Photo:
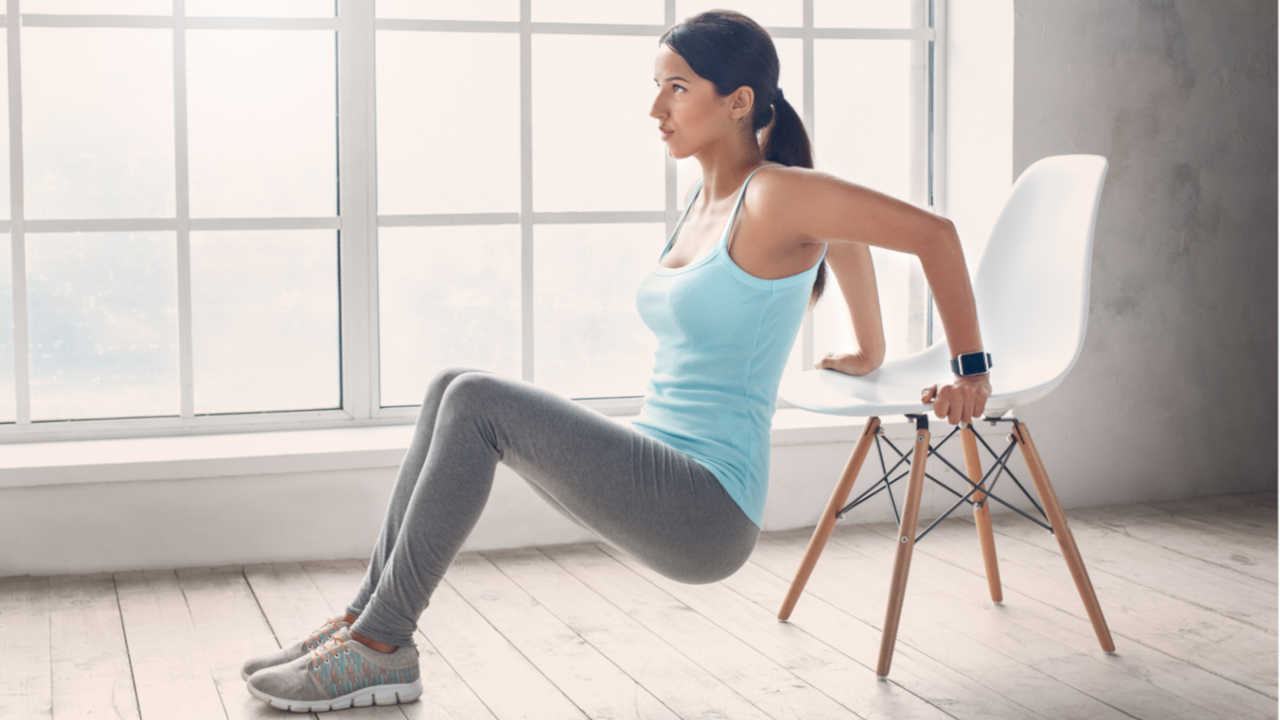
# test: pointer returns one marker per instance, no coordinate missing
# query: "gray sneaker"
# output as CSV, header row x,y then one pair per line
x,y
296,650
340,674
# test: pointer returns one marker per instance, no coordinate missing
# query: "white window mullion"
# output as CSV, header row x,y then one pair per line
x,y
937,132
358,251
21,351
526,190
671,200
806,328
183,199
938,109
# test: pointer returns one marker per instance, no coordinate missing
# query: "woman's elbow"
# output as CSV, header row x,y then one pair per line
x,y
875,357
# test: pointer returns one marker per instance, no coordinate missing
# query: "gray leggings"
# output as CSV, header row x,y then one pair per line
x,y
642,496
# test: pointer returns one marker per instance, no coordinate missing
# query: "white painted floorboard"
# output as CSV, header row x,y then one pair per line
x,y
1188,589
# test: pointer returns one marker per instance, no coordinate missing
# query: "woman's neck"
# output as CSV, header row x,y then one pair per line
x,y
725,167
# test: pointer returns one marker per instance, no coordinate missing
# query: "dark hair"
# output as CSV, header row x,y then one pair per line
x,y
732,50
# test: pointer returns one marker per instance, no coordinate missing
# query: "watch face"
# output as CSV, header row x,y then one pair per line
x,y
973,364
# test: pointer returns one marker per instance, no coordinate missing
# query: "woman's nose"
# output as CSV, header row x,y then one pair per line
x,y
657,110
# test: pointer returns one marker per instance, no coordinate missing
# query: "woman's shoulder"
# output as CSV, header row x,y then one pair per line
x,y
787,182
780,191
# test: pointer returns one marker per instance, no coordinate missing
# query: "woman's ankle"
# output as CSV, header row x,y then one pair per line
x,y
374,644
348,618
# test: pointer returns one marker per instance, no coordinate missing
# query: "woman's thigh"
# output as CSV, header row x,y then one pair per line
x,y
639,494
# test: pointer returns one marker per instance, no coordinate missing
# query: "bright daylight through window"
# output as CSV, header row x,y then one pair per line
x,y
246,213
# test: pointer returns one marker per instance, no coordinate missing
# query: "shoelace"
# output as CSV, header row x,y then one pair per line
x,y
318,638
335,646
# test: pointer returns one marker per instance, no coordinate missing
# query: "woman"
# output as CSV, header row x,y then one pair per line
x,y
683,488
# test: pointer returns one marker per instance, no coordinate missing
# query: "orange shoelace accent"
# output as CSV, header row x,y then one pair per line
x,y
332,648
318,638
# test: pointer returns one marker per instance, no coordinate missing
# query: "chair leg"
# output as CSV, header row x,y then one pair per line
x,y
982,514
906,543
828,520
1066,542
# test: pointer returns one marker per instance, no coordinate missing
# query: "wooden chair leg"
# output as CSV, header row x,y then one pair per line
x,y
828,520
906,543
982,514
1066,542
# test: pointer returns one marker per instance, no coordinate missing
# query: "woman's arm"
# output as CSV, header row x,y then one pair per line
x,y
851,264
816,207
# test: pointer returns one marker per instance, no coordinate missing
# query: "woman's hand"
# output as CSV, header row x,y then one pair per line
x,y
961,401
847,363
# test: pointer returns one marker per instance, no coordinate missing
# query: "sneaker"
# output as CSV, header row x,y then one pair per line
x,y
296,650
340,674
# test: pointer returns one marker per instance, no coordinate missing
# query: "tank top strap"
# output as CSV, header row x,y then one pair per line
x,y
727,235
688,204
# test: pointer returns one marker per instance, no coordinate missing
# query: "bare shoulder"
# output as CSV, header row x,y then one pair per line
x,y
787,197
810,205
779,187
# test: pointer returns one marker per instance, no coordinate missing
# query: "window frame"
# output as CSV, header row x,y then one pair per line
x,y
356,223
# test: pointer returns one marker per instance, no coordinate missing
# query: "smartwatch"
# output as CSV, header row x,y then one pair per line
x,y
974,363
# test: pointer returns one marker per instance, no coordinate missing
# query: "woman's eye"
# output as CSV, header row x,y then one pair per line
x,y
678,88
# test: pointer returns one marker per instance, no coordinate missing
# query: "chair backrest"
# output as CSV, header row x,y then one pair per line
x,y
1032,284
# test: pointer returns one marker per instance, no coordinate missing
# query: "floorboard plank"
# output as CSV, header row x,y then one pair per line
x,y
767,685
1259,499
580,671
170,672
811,659
503,678
25,681
232,630
959,565
92,676
1184,535
1212,587
856,556
445,695
685,687
1230,510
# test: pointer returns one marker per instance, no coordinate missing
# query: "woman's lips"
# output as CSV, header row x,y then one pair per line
x,y
665,133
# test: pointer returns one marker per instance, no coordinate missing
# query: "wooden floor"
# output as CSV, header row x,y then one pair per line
x,y
1189,590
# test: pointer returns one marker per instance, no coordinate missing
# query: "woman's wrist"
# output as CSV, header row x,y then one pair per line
x,y
970,364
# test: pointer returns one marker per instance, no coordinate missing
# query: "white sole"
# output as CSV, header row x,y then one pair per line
x,y
372,695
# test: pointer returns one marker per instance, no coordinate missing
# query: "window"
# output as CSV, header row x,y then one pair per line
x,y
236,213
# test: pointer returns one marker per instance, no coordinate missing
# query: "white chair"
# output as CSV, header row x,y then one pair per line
x,y
1032,292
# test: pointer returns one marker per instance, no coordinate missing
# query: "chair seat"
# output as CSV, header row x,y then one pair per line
x,y
894,388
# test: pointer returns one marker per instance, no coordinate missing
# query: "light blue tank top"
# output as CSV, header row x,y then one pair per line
x,y
724,336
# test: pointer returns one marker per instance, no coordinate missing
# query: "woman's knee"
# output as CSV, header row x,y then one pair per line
x,y
477,393
443,380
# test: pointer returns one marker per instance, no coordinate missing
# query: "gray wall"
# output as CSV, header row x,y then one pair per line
x,y
1174,395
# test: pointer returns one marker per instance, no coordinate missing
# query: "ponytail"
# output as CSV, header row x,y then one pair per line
x,y
732,50
784,140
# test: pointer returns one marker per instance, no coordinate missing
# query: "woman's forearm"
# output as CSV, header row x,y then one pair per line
x,y
942,259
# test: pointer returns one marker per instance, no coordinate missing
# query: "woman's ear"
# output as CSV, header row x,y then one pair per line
x,y
741,102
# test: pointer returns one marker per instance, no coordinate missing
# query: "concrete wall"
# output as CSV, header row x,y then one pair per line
x,y
1174,395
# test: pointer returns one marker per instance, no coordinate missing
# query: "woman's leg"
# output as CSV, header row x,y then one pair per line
x,y
641,495
410,472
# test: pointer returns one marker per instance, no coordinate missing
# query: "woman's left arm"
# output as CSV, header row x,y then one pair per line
x,y
822,208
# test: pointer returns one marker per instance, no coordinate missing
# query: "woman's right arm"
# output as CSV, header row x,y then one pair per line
x,y
851,264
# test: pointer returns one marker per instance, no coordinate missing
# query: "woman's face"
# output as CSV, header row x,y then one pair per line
x,y
690,113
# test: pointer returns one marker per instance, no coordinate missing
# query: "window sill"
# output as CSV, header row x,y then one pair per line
x,y
269,453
